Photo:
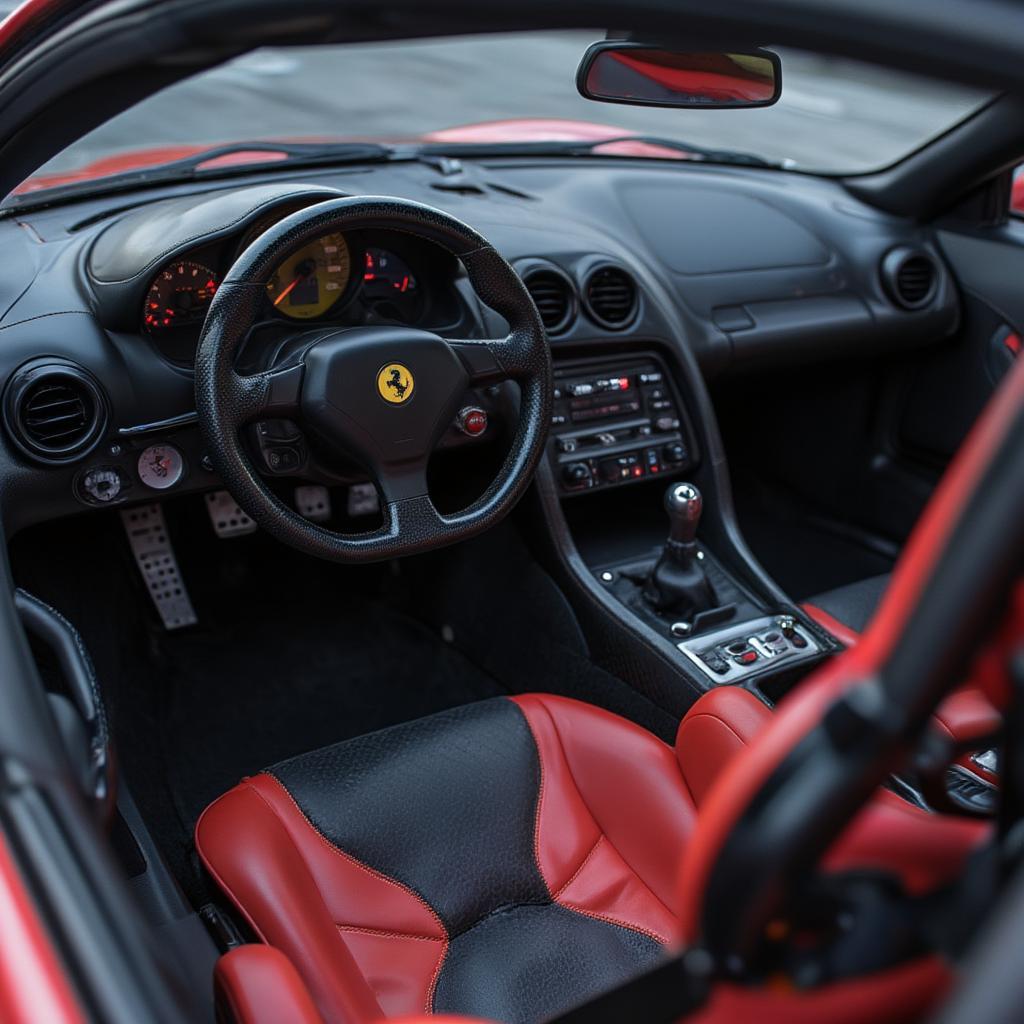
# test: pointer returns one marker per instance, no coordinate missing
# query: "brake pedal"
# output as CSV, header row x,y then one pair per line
x,y
227,518
154,555
313,502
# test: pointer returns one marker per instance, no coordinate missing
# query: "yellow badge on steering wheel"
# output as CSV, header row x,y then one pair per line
x,y
395,383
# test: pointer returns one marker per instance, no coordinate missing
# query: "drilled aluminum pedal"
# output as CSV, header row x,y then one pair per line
x,y
363,500
151,546
313,502
227,518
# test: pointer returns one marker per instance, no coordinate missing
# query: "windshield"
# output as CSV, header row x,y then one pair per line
x,y
835,116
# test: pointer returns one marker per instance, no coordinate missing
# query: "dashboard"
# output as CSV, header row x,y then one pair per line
x,y
710,271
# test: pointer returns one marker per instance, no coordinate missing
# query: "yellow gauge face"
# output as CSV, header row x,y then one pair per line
x,y
312,280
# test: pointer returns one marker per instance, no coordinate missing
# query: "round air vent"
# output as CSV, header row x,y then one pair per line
x,y
610,297
54,410
911,277
554,296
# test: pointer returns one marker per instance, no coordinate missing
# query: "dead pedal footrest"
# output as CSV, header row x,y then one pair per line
x,y
154,555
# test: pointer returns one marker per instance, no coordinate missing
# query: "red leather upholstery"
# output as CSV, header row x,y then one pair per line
x,y
714,730
259,985
363,943
843,633
613,817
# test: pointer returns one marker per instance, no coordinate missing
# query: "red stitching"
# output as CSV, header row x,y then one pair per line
x,y
347,856
376,874
622,924
382,933
585,862
653,894
433,981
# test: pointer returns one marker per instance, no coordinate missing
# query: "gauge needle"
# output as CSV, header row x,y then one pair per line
x,y
287,291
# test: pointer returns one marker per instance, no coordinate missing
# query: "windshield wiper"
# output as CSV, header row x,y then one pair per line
x,y
593,146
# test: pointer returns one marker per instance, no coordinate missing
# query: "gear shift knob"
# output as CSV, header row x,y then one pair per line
x,y
684,505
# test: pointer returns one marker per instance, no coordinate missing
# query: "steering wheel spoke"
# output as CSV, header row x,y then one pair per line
x,y
271,394
401,483
495,359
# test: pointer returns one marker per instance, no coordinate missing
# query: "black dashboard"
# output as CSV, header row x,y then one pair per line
x,y
720,270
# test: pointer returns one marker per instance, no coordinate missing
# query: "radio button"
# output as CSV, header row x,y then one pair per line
x,y
577,474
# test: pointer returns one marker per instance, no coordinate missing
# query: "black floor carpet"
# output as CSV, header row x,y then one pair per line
x,y
247,693
291,653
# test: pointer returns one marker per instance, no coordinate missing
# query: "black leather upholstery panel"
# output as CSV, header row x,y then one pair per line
x,y
445,805
529,963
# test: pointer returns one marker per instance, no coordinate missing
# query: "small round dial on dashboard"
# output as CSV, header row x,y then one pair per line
x,y
179,295
161,466
102,484
312,280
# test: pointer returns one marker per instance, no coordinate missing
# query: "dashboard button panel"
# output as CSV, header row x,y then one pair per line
x,y
615,424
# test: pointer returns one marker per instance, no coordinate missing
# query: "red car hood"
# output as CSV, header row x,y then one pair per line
x,y
484,132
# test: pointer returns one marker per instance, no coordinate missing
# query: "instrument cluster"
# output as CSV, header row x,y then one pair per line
x,y
349,279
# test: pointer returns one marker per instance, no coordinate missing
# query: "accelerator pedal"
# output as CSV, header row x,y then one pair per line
x,y
227,518
154,555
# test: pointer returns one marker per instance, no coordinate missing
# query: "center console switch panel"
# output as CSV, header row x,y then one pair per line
x,y
732,655
615,422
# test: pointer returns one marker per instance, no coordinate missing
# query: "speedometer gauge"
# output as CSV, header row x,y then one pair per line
x,y
312,280
179,295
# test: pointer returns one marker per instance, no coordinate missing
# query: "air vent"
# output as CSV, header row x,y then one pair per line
x,y
554,296
911,277
54,410
610,297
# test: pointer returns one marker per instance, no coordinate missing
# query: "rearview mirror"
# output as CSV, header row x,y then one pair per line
x,y
618,71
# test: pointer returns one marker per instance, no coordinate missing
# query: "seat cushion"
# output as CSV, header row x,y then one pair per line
x,y
507,859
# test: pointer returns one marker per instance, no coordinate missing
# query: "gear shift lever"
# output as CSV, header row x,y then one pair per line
x,y
684,504
678,583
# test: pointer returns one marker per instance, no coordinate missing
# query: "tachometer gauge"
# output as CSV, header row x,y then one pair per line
x,y
312,280
179,295
161,466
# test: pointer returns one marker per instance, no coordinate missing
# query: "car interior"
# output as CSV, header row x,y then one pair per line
x,y
408,546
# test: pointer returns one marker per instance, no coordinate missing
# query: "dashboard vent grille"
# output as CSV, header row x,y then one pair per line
x,y
915,280
54,411
611,297
911,277
554,297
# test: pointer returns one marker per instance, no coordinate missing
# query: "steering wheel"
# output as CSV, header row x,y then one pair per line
x,y
383,394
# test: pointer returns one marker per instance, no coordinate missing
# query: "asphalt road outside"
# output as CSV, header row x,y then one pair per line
x,y
834,116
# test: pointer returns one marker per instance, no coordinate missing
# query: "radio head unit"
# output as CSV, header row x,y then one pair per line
x,y
616,422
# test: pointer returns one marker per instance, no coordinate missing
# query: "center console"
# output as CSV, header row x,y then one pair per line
x,y
626,464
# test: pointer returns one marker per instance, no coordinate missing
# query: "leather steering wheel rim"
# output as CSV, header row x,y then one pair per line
x,y
320,385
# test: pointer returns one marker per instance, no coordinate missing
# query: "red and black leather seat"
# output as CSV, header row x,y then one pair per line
x,y
507,859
